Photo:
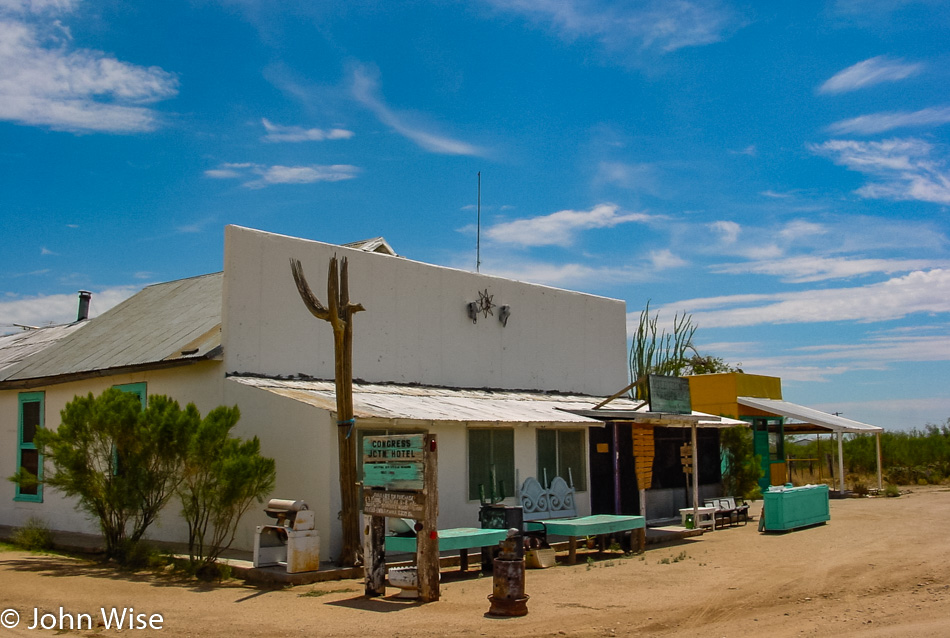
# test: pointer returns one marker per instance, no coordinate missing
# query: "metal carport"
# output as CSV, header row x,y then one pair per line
x,y
809,420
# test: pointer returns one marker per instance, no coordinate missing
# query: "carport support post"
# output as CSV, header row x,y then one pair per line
x,y
841,461
880,479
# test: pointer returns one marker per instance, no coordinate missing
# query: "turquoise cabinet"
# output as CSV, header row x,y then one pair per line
x,y
792,507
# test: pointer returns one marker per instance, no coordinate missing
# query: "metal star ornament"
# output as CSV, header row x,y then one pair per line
x,y
485,304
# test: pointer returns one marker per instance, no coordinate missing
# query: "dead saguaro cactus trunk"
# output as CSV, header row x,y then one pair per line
x,y
339,312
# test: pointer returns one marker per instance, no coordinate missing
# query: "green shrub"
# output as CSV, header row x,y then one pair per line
x,y
121,462
34,536
743,466
141,555
891,490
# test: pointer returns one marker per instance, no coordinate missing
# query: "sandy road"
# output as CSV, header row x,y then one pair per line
x,y
880,567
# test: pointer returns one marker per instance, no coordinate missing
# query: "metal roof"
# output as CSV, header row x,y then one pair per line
x,y
162,325
811,420
374,245
642,415
16,347
413,404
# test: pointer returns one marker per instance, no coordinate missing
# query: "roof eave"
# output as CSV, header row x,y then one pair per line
x,y
23,384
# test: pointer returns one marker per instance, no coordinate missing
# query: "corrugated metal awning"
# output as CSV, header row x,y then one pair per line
x,y
661,419
810,420
416,405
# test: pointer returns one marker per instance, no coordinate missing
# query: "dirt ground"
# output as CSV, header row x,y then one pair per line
x,y
878,568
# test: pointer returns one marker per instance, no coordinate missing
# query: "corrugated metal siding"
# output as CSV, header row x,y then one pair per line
x,y
423,403
153,326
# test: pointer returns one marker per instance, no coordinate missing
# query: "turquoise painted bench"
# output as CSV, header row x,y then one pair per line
x,y
460,539
552,511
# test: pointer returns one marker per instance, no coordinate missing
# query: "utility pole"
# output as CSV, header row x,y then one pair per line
x,y
478,231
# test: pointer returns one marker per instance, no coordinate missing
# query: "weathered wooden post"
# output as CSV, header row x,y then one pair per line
x,y
339,312
427,539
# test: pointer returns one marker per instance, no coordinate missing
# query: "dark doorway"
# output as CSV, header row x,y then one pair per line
x,y
612,447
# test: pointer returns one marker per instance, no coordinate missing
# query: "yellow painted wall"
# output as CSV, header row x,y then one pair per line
x,y
717,393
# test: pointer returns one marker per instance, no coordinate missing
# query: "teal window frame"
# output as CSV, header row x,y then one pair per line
x,y
488,448
141,389
22,399
557,452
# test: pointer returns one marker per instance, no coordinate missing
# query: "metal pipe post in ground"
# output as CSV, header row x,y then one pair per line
x,y
508,597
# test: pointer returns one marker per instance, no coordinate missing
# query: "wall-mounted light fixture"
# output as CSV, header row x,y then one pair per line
x,y
503,313
472,309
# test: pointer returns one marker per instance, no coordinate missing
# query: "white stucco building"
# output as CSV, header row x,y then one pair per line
x,y
425,358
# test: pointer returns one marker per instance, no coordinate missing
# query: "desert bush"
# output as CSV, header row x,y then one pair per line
x,y
120,462
743,466
223,475
33,536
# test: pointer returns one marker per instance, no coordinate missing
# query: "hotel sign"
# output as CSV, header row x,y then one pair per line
x,y
395,462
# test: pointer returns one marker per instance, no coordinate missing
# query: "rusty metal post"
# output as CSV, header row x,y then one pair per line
x,y
508,597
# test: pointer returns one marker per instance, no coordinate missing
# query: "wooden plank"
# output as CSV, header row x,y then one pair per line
x,y
374,550
394,504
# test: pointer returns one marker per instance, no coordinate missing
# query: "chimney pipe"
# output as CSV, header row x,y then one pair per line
x,y
84,297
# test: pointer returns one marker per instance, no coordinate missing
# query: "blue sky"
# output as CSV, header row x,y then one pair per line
x,y
778,170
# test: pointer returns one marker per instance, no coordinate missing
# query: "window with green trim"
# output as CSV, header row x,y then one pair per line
x,y
138,389
491,451
30,419
562,453
135,388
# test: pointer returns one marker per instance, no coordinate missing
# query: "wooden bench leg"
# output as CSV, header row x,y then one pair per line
x,y
463,560
572,551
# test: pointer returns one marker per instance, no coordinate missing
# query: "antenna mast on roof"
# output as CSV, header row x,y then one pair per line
x,y
478,231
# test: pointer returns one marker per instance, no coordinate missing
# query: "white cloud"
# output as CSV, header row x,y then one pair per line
x,y
642,177
278,133
749,150
661,25
811,268
775,194
868,73
665,260
563,275
44,82
800,228
365,89
904,168
728,231
561,228
44,310
919,291
881,122
270,175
